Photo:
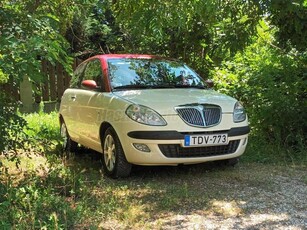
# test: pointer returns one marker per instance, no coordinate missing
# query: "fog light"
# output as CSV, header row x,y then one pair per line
x,y
141,147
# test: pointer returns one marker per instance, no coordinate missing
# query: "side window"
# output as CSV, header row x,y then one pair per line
x,y
77,77
93,72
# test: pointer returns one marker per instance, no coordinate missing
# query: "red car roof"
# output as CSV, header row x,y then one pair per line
x,y
141,56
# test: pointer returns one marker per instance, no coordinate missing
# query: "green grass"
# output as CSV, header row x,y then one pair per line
x,y
51,191
44,126
269,152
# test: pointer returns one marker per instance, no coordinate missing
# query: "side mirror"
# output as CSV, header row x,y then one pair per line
x,y
209,83
89,84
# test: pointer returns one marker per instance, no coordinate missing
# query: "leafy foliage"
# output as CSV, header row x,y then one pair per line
x,y
290,17
263,65
272,84
36,201
33,205
94,30
189,30
11,126
30,31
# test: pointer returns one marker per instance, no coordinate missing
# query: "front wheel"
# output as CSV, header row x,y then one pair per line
x,y
114,161
233,161
229,162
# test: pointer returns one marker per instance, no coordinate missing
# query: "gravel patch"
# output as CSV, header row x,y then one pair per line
x,y
265,197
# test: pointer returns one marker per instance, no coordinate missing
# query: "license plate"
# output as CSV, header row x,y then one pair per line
x,y
207,139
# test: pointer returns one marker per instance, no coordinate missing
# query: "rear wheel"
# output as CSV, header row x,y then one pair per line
x,y
68,144
114,161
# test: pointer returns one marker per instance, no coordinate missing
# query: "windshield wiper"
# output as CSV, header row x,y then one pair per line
x,y
162,86
143,87
165,86
131,87
190,86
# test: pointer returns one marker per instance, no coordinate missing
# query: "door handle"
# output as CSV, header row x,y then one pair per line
x,y
73,97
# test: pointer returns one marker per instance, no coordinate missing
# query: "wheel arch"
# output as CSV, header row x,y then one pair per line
x,y
61,119
122,167
103,128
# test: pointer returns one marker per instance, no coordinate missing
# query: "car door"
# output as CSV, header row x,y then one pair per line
x,y
91,106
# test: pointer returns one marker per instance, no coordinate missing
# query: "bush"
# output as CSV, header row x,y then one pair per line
x,y
40,198
25,133
12,125
37,202
272,85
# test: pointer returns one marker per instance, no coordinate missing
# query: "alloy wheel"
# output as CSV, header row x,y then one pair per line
x,y
109,152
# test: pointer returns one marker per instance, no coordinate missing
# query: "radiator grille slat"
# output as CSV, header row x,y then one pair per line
x,y
200,115
212,116
192,116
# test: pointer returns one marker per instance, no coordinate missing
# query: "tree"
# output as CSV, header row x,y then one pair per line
x,y
272,85
290,17
31,31
96,31
201,32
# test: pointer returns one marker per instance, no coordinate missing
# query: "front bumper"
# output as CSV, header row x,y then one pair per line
x,y
167,147
174,135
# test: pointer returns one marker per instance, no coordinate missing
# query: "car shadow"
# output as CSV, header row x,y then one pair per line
x,y
85,158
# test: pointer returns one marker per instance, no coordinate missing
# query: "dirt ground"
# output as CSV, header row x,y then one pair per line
x,y
206,196
269,200
248,196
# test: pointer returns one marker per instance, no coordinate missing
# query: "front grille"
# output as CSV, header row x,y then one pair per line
x,y
176,151
200,115
192,116
212,115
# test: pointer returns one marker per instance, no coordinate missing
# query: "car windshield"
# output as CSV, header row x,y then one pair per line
x,y
151,73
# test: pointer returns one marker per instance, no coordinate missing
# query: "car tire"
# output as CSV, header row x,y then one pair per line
x,y
233,161
228,163
114,160
68,144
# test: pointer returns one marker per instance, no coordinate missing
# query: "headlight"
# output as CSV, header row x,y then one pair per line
x,y
144,115
239,114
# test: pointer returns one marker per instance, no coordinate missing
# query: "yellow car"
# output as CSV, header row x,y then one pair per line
x,y
149,110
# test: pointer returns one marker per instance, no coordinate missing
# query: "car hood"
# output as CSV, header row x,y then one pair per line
x,y
165,100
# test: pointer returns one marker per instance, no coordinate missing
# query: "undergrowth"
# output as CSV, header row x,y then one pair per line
x,y
261,150
36,198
